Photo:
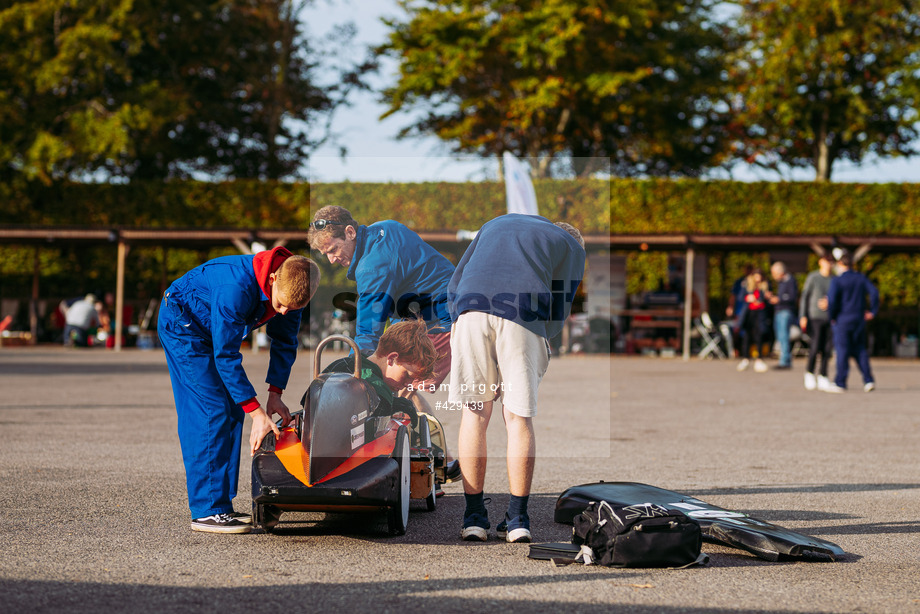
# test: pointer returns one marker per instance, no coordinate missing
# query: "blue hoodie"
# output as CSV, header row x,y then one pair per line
x,y
397,274
521,268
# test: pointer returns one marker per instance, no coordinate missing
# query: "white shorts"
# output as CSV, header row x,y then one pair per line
x,y
496,358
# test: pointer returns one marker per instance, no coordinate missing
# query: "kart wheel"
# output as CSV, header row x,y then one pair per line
x,y
265,517
398,514
424,435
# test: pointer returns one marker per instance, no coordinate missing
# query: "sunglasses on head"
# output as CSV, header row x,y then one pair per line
x,y
320,224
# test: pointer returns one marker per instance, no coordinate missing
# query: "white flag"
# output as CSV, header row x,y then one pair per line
x,y
518,186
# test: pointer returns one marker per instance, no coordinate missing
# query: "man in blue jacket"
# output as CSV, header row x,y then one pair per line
x,y
849,311
203,319
398,276
512,292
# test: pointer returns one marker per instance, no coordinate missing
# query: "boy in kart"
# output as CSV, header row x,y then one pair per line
x,y
405,355
203,319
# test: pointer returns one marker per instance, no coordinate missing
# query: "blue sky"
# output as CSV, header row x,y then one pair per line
x,y
374,154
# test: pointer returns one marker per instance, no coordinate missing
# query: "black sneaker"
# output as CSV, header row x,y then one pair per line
x,y
475,527
220,523
242,517
515,530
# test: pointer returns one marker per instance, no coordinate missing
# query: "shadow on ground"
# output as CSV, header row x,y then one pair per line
x,y
387,595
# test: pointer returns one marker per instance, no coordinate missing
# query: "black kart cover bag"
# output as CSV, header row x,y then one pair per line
x,y
719,525
642,535
560,553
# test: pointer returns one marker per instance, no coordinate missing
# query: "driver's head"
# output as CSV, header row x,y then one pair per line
x,y
406,354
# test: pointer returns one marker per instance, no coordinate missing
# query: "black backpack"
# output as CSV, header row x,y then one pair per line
x,y
643,535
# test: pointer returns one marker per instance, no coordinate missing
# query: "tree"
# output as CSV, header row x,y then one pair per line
x,y
634,81
820,81
104,89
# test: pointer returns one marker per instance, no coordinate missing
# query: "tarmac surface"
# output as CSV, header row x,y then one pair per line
x,y
93,513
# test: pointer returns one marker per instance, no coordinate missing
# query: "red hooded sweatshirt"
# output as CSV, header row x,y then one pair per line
x,y
263,265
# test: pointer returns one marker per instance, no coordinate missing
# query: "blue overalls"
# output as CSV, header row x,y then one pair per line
x,y
203,319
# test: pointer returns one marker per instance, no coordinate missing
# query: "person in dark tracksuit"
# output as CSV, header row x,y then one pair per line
x,y
849,311
203,319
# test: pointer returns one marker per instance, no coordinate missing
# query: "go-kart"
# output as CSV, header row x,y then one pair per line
x,y
338,455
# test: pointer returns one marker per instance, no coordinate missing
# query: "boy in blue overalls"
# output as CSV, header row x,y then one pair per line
x,y
204,317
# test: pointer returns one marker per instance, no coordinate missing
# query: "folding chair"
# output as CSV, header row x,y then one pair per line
x,y
711,336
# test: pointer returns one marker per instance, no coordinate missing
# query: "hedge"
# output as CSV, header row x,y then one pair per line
x,y
623,206
619,206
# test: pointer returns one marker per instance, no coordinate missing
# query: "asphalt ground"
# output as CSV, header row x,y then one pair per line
x,y
93,513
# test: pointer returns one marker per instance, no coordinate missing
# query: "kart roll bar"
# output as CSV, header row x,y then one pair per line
x,y
348,341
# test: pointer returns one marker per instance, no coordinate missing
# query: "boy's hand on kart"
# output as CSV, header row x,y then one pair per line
x,y
276,406
262,425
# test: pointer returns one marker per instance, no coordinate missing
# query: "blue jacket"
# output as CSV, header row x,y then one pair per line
x,y
221,302
522,268
846,298
397,274
788,292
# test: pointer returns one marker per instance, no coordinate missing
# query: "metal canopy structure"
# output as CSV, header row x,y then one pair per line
x,y
48,236
243,238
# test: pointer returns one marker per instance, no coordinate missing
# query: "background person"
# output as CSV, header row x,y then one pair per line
x,y
849,309
79,318
813,317
784,304
737,308
203,319
512,292
105,331
754,323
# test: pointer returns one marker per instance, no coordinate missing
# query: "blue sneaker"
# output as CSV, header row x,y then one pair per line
x,y
515,530
475,527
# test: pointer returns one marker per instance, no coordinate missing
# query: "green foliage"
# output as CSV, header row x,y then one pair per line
x,y
596,207
137,89
176,204
646,271
633,82
452,206
896,277
821,81
723,207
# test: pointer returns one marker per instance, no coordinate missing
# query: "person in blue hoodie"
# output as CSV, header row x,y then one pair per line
x,y
398,276
204,317
849,310
512,291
